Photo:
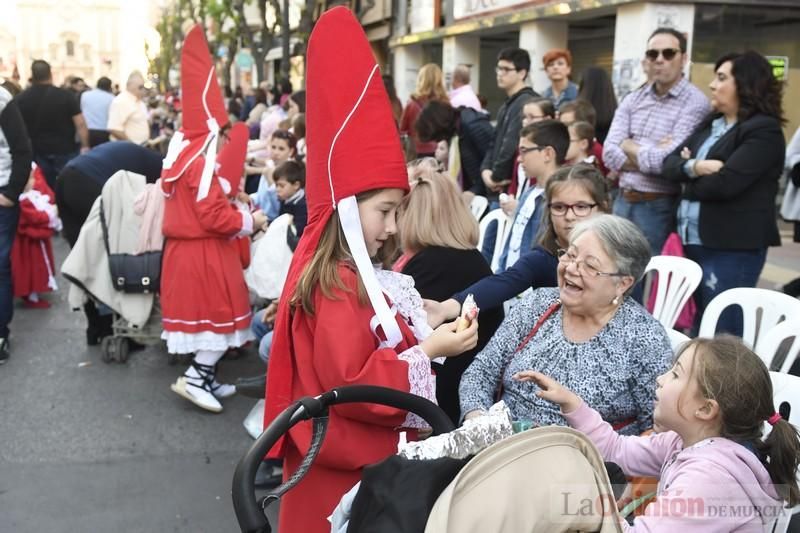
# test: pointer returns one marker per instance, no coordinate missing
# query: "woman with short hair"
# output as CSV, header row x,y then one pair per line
x,y
729,169
588,331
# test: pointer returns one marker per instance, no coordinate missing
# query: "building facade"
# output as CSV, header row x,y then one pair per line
x,y
85,38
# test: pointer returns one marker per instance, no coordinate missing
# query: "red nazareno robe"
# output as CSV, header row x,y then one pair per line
x,y
32,252
336,347
202,283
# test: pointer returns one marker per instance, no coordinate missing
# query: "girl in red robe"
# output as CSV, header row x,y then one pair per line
x,y
32,253
204,299
341,319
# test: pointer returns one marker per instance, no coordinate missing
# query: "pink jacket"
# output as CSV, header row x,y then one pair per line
x,y
717,485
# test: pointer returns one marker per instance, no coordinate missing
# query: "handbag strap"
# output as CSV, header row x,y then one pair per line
x,y
555,306
104,227
547,314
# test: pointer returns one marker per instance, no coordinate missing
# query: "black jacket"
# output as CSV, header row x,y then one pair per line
x,y
15,149
500,156
438,274
737,204
475,136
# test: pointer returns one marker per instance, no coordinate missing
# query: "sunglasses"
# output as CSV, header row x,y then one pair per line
x,y
667,53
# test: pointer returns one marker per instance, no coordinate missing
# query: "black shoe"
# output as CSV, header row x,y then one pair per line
x,y
4,353
253,387
269,474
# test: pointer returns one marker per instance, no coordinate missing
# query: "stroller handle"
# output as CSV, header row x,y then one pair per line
x,y
249,511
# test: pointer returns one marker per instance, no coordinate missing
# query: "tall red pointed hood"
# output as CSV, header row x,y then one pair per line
x,y
352,147
203,113
230,159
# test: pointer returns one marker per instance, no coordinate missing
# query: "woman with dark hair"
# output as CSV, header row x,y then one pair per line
x,y
439,121
729,168
596,87
258,110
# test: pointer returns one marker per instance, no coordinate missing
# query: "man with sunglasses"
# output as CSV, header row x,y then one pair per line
x,y
648,125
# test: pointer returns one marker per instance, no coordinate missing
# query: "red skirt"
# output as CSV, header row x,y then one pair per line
x,y
203,287
31,265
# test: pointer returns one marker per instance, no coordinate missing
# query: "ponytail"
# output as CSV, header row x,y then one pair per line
x,y
782,448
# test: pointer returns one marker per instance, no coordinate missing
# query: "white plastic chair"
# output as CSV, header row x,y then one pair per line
x,y
503,224
786,390
678,277
478,206
775,307
770,342
676,339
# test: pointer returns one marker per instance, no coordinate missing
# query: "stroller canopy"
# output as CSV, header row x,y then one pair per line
x,y
546,480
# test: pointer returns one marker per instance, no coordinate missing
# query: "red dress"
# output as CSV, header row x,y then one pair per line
x,y
204,299
336,347
32,253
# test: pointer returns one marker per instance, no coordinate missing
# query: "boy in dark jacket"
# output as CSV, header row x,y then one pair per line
x,y
290,180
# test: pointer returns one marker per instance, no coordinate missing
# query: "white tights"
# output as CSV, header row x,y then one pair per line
x,y
204,357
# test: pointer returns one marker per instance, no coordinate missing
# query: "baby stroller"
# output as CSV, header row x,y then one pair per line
x,y
105,266
517,484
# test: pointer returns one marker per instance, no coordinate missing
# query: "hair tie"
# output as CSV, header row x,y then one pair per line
x,y
774,418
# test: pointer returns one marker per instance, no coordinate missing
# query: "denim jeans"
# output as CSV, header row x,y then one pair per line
x,y
263,334
723,270
655,218
52,165
8,230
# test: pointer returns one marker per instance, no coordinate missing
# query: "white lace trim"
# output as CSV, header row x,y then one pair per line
x,y
401,291
421,381
180,342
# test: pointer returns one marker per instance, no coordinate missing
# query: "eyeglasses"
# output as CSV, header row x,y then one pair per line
x,y
525,149
580,210
667,53
504,70
567,257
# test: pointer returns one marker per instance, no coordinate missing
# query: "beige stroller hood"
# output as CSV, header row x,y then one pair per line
x,y
545,480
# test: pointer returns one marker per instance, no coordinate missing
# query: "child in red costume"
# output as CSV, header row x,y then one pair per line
x,y
32,254
342,320
204,299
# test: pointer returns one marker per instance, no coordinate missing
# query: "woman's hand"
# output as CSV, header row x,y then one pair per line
x,y
704,167
445,341
551,390
439,312
270,312
686,153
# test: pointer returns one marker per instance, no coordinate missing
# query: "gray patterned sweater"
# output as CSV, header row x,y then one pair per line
x,y
614,372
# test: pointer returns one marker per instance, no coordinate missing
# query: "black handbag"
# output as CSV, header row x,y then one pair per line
x,y
137,274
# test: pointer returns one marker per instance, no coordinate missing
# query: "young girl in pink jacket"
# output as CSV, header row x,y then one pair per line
x,y
716,471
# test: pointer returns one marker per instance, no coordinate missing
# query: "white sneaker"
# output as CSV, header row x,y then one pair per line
x,y
194,390
222,390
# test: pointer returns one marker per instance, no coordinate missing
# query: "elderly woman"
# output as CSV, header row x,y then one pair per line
x,y
588,332
730,168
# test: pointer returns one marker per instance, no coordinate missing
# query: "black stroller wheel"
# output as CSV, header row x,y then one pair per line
x,y
250,509
123,349
107,349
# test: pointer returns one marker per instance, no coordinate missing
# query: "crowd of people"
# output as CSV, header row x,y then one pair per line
x,y
378,248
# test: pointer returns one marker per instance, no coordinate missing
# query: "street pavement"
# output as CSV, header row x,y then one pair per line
x,y
88,447
92,447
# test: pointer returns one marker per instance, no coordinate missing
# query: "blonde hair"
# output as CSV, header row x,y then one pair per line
x,y
430,84
434,214
323,269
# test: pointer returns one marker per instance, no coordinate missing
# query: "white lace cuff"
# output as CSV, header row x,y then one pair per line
x,y
247,224
421,381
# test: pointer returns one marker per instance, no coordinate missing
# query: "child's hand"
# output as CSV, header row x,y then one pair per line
x,y
445,341
243,197
551,390
259,220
